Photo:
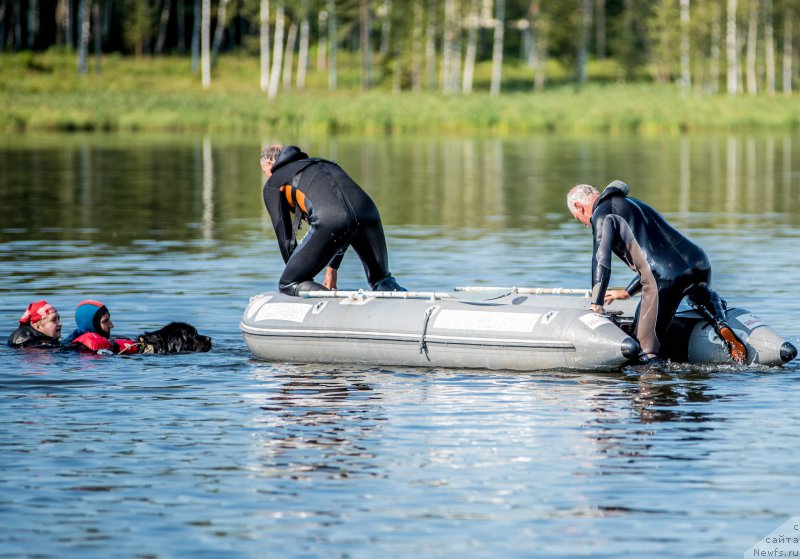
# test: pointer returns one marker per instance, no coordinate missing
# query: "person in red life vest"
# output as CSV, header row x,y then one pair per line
x,y
94,331
39,327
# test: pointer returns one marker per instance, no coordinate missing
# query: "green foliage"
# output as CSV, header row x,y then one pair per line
x,y
162,95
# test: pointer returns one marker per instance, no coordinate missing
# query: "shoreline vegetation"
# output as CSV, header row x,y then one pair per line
x,y
42,93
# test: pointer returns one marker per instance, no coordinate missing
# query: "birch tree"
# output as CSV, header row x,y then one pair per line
x,y
366,54
686,70
716,37
447,45
64,18
732,51
83,43
416,45
430,47
497,51
386,27
473,23
788,53
277,53
162,27
33,22
600,29
264,43
219,33
288,63
752,39
769,48
98,37
322,40
205,44
332,44
302,55
583,39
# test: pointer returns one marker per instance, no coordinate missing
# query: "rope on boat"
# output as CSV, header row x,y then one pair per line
x,y
527,290
423,345
361,294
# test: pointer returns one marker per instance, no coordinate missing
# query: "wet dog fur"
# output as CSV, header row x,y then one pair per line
x,y
175,337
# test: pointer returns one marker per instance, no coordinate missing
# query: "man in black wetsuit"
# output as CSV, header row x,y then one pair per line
x,y
339,213
669,266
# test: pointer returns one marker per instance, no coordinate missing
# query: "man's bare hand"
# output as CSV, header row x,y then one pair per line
x,y
615,294
330,278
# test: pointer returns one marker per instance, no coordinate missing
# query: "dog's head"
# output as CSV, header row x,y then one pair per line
x,y
175,337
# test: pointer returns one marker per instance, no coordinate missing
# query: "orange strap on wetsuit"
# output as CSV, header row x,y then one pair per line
x,y
294,196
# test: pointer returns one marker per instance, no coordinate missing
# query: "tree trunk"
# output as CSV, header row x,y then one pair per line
x,y
497,50
98,38
366,51
321,40
162,26
769,47
302,55
430,47
788,52
63,23
732,50
219,33
196,25
83,44
264,36
716,37
583,40
332,42
417,46
540,71
386,29
180,13
33,22
288,64
205,44
752,39
17,22
473,22
686,69
600,29
277,53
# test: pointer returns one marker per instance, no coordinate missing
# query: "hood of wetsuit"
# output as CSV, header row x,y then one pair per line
x,y
614,188
287,155
87,317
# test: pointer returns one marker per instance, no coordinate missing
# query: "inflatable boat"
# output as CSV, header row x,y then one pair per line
x,y
493,328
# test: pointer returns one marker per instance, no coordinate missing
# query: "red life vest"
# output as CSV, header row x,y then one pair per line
x,y
126,346
95,342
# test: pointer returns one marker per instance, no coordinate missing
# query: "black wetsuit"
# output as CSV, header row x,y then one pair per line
x,y
340,214
28,336
669,266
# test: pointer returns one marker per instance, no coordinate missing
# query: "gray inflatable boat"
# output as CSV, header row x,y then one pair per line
x,y
512,329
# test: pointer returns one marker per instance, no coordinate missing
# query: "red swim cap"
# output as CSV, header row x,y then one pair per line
x,y
36,312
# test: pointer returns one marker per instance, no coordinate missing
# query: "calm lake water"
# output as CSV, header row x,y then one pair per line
x,y
220,455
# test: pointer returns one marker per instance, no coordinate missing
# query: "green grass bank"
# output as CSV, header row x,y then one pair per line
x,y
42,92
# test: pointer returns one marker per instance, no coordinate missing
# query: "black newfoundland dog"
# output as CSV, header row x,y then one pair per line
x,y
175,337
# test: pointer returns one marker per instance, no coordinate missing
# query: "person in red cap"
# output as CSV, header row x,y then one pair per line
x,y
94,331
39,327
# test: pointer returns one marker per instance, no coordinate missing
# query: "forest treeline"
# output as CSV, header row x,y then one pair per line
x,y
706,46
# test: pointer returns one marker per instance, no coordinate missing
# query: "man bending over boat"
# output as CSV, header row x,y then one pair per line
x,y
339,213
669,266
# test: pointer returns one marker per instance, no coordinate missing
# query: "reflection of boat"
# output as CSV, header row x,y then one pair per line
x,y
506,330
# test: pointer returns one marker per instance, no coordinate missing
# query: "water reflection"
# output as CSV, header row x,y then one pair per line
x,y
118,189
